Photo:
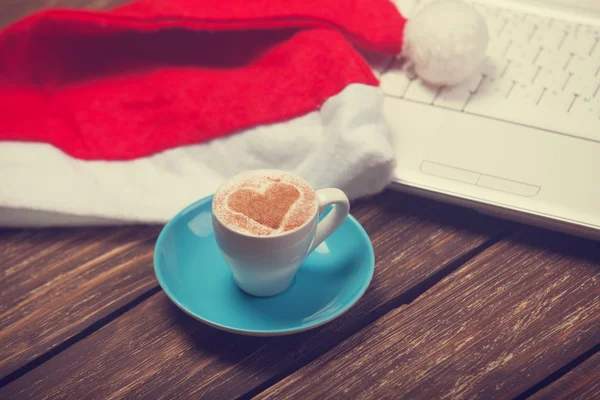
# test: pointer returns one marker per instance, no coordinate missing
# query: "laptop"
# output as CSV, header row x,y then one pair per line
x,y
521,139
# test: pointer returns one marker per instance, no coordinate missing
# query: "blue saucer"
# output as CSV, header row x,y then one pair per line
x,y
194,275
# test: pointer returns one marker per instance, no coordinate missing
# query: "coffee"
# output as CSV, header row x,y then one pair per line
x,y
265,203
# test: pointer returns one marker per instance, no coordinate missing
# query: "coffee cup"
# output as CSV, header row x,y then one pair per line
x,y
266,222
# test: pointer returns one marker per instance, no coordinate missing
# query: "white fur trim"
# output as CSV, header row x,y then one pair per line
x,y
343,145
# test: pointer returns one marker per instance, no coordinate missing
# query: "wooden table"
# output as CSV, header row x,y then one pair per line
x,y
461,306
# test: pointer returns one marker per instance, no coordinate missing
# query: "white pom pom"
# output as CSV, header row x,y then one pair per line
x,y
446,42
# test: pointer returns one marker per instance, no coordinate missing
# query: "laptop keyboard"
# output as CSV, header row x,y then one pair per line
x,y
539,72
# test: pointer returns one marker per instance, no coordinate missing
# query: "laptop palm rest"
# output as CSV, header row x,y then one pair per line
x,y
514,160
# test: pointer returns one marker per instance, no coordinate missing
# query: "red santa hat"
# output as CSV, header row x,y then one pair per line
x,y
132,113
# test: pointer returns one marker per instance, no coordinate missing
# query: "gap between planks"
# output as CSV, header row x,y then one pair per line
x,y
536,387
559,373
99,324
406,298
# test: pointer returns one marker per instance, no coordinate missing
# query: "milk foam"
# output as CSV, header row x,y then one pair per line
x,y
259,181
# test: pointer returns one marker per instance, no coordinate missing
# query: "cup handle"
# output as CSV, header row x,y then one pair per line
x,y
341,209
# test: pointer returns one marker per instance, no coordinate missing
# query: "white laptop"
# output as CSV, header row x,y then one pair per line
x,y
521,139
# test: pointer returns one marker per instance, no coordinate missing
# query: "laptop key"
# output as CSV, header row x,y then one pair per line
x,y
421,92
556,103
583,86
553,59
491,95
508,15
498,48
584,66
528,95
548,38
553,113
495,24
395,80
586,112
553,80
537,20
494,67
521,100
561,25
580,43
523,52
518,31
596,48
394,83
456,97
522,72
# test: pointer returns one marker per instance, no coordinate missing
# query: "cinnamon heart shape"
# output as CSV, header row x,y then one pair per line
x,y
268,208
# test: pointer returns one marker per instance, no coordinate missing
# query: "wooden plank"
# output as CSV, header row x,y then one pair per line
x,y
56,282
494,328
155,350
581,383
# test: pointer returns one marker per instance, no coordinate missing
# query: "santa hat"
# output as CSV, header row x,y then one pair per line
x,y
130,114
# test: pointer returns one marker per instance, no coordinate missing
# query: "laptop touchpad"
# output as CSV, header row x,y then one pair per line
x,y
500,156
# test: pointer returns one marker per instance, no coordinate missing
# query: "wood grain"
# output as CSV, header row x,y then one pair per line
x,y
511,317
581,383
497,326
154,350
56,282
